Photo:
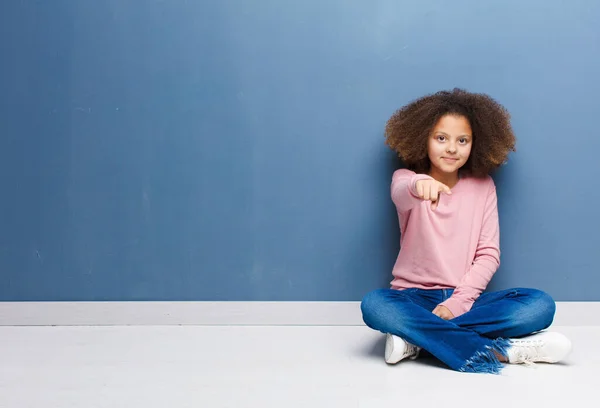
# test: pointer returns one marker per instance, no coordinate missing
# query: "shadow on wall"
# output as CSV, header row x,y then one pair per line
x,y
501,178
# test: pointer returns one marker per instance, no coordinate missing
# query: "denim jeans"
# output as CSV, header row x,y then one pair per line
x,y
467,342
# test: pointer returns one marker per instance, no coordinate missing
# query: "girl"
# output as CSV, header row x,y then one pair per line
x,y
447,208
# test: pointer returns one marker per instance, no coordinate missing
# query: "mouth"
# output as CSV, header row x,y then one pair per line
x,y
449,159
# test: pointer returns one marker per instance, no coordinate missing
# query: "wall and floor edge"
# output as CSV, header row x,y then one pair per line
x,y
224,313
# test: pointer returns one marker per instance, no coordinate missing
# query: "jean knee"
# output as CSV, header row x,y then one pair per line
x,y
540,311
371,306
383,310
546,307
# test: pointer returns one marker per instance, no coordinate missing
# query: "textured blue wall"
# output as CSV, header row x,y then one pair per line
x,y
233,150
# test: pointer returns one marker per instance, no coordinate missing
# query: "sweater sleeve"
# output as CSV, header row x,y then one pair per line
x,y
485,263
404,189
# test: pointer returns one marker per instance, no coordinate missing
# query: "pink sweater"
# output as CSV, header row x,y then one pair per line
x,y
454,246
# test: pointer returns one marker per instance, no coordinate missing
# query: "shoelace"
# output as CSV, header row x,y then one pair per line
x,y
527,351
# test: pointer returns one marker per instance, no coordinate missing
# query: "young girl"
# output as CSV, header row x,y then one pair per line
x,y
447,208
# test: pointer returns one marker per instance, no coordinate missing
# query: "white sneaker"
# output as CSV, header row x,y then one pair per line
x,y
543,347
397,349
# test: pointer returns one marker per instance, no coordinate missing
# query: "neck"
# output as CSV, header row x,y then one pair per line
x,y
449,179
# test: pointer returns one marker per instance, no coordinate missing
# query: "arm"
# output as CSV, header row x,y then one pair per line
x,y
485,264
404,190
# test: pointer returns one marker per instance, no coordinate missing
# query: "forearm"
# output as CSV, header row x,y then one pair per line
x,y
473,284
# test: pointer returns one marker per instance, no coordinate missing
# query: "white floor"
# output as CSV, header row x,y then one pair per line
x,y
265,366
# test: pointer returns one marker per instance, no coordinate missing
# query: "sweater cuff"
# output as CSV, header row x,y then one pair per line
x,y
456,306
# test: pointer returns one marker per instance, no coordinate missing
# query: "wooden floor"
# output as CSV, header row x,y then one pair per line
x,y
265,366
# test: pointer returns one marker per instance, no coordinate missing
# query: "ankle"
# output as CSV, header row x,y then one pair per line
x,y
502,358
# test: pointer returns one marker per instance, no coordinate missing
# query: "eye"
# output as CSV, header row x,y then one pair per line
x,y
441,138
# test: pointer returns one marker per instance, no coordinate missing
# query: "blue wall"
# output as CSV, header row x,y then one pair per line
x,y
233,150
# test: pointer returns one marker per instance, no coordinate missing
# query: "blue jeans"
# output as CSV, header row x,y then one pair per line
x,y
466,343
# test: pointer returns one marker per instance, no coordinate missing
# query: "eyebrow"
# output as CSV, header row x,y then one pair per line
x,y
446,134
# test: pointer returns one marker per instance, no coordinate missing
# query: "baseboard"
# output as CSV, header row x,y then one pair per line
x,y
224,313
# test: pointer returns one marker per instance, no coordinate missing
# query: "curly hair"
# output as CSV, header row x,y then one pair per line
x,y
408,130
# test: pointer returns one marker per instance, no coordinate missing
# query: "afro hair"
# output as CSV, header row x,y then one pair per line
x,y
408,130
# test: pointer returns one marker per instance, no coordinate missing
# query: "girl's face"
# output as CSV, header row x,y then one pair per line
x,y
450,145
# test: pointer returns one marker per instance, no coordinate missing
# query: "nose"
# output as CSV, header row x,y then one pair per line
x,y
451,148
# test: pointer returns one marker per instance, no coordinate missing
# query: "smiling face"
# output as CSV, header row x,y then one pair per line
x,y
449,147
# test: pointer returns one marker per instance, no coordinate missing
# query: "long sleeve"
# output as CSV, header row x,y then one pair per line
x,y
485,263
403,189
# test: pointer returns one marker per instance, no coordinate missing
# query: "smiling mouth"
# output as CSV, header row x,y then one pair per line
x,y
450,159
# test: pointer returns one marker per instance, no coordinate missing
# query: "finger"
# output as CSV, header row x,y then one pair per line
x,y
426,192
434,196
420,189
445,189
434,192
